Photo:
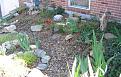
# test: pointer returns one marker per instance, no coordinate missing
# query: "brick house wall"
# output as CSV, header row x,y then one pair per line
x,y
97,7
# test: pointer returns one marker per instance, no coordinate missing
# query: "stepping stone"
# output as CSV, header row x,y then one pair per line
x,y
109,36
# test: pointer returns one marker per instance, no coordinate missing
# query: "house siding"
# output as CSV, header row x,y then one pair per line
x,y
97,7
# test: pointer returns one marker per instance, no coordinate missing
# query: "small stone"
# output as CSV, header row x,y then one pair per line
x,y
40,53
68,37
57,17
109,36
10,28
45,59
42,66
33,47
36,28
20,53
35,73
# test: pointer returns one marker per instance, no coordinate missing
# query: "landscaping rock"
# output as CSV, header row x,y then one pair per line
x,y
36,28
12,68
7,45
109,36
57,17
40,53
45,59
68,37
10,44
33,47
10,28
2,49
42,66
35,73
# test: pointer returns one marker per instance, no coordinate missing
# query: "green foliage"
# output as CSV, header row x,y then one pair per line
x,y
86,31
24,42
29,58
37,43
45,13
111,27
97,48
60,10
22,9
72,25
113,49
7,37
114,68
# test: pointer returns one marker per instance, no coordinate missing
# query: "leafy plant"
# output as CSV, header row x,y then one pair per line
x,y
60,10
99,61
24,42
72,25
86,31
29,58
7,37
37,43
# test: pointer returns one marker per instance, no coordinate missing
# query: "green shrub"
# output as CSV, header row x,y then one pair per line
x,y
45,13
114,68
111,27
86,31
113,49
60,10
24,42
7,37
72,25
29,58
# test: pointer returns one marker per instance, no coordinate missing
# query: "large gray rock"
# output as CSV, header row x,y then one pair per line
x,y
109,36
36,28
10,28
42,66
45,59
35,73
57,17
40,53
10,44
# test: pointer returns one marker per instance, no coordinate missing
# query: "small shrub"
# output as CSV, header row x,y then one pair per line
x,y
45,13
24,42
7,37
29,58
86,31
72,25
111,27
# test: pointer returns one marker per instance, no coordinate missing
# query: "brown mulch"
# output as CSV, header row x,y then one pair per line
x,y
61,51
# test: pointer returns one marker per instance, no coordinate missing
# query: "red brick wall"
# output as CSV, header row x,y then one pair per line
x,y
97,7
